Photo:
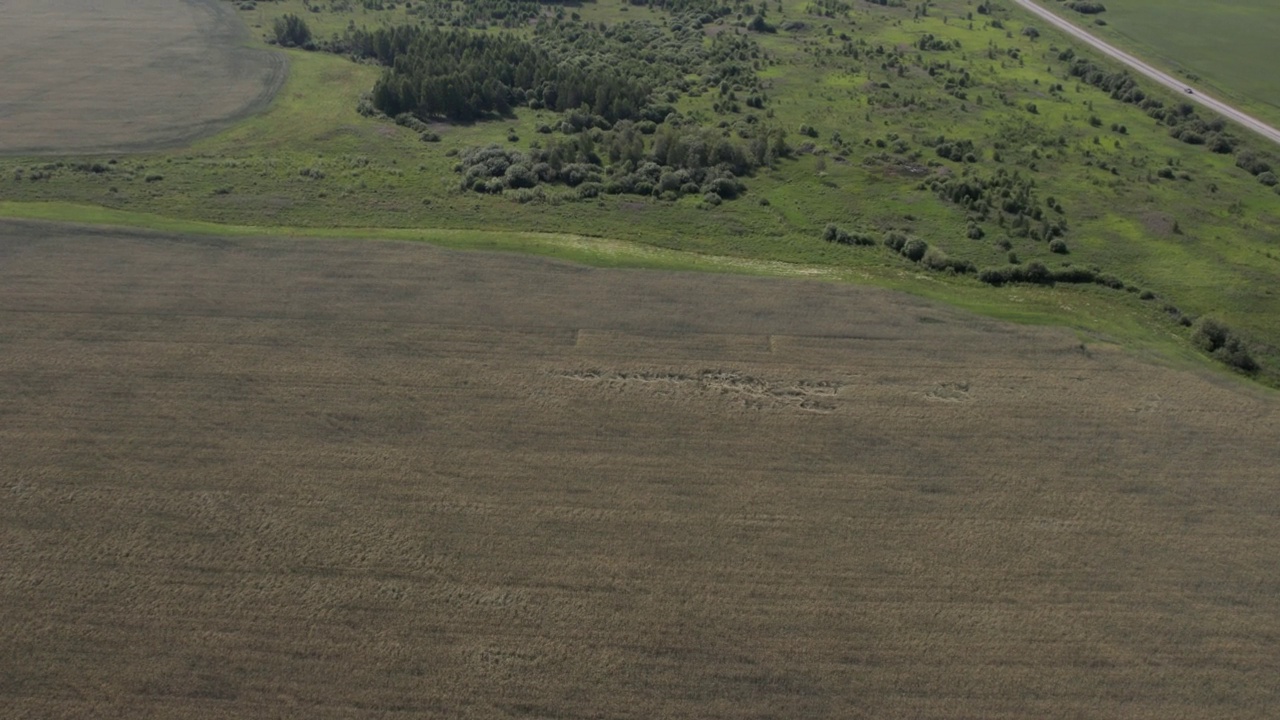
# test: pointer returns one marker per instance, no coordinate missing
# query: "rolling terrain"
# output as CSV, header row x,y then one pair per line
x,y
309,448
985,138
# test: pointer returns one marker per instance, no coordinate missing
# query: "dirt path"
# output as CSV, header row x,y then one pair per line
x,y
126,75
1169,81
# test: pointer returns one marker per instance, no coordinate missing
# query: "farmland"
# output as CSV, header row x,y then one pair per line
x,y
270,477
117,75
831,360
1187,229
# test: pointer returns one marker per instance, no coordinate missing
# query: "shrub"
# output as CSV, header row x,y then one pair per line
x,y
291,31
1110,281
1058,246
895,240
1085,7
914,249
1268,178
935,259
1218,340
1251,163
519,176
1074,275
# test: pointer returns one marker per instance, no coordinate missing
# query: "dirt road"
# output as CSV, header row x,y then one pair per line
x,y
1223,109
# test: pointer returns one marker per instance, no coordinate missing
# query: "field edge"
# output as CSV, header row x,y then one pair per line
x,y
1022,305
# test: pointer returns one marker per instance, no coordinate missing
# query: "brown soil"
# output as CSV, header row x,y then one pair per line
x,y
117,75
323,479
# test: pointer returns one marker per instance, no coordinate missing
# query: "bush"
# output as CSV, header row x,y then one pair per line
x,y
914,249
1218,340
1251,163
1085,7
935,259
1268,178
1058,246
895,240
1074,275
1033,272
1110,281
291,31
519,176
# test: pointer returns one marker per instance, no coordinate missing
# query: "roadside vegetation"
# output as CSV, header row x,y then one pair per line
x,y
958,149
1216,46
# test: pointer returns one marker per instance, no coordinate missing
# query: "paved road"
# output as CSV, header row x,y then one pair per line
x,y
1223,109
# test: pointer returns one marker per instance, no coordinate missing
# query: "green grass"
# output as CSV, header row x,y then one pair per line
x,y
1224,47
381,180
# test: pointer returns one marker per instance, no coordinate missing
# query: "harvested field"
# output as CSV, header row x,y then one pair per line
x,y
337,479
114,75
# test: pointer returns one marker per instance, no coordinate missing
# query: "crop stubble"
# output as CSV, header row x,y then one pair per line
x,y
330,479
125,75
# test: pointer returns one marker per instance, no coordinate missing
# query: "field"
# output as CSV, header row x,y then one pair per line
x,y
116,75
1174,223
323,478
1224,46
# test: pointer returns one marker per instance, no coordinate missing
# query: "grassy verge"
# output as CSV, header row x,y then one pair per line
x,y
1215,45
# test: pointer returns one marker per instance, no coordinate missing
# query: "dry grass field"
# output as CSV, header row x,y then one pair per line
x,y
109,75
336,479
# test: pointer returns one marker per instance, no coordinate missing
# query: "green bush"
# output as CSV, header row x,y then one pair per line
x,y
291,31
1217,339
914,249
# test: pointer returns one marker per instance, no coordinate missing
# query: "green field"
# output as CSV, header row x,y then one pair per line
x,y
1179,226
1224,46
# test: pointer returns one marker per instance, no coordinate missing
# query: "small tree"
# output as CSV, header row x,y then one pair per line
x,y
291,31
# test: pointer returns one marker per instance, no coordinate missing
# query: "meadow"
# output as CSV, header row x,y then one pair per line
x,y
1180,227
280,477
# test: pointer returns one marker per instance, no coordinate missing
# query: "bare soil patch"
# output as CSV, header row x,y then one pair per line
x,y
335,479
115,75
